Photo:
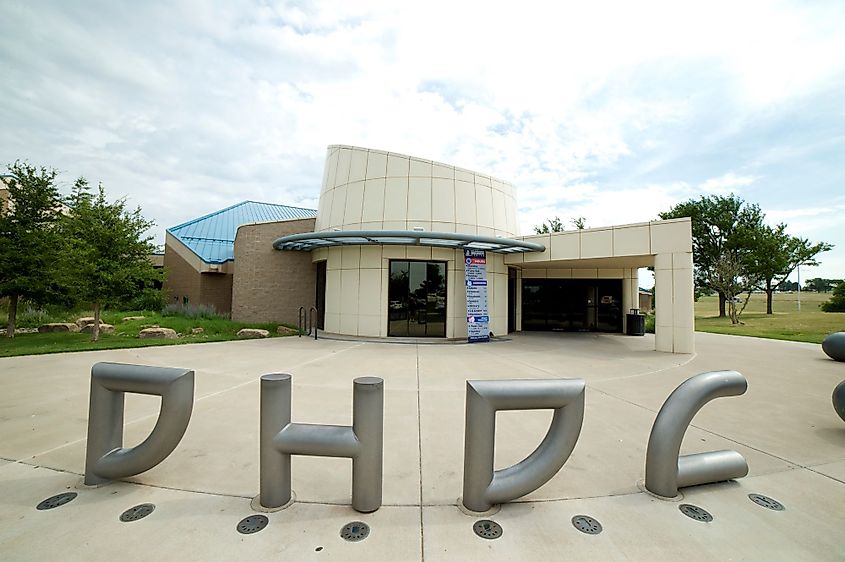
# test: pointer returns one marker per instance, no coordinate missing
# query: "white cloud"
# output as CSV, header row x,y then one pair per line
x,y
725,184
609,110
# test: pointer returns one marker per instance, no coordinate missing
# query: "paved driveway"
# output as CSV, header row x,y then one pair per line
x,y
784,425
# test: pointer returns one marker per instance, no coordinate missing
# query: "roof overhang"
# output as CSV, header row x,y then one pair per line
x,y
313,240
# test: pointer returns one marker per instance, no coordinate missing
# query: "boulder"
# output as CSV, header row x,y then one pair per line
x,y
834,346
158,333
285,331
104,328
82,322
252,333
197,331
20,331
58,327
130,318
839,400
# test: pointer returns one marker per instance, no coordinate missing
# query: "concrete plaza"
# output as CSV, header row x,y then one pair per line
x,y
785,426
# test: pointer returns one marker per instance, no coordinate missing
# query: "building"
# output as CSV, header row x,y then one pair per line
x,y
384,257
199,254
4,191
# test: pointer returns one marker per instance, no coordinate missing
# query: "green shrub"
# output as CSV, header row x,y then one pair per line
x,y
147,299
30,316
192,311
837,301
649,323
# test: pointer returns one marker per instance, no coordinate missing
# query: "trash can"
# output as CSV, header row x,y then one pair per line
x,y
636,323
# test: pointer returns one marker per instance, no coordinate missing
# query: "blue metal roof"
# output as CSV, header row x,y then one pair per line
x,y
212,237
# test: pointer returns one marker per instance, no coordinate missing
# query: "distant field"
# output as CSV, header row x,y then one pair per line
x,y
809,325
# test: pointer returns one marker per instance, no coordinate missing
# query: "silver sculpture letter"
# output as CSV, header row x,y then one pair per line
x,y
362,442
482,486
105,457
665,472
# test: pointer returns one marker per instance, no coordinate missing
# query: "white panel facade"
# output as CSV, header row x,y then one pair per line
x,y
398,188
367,189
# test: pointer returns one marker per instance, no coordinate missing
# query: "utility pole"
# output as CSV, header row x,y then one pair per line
x,y
799,287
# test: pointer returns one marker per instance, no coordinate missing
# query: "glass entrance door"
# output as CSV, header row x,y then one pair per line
x,y
572,305
416,305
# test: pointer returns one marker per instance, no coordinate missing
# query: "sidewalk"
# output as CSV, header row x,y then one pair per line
x,y
784,425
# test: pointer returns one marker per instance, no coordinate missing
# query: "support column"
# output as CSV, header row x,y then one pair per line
x,y
674,324
630,295
684,303
663,303
518,300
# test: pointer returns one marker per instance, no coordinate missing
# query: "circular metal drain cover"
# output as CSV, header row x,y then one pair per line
x,y
252,524
767,502
56,501
487,529
137,512
355,531
695,512
587,524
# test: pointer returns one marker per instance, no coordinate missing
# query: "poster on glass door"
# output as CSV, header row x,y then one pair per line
x,y
475,273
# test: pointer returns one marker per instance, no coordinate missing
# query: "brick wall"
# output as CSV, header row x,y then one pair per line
x,y
182,279
216,290
270,285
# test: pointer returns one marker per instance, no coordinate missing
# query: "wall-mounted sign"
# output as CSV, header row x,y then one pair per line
x,y
475,273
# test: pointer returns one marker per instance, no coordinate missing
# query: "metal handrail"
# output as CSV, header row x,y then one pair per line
x,y
307,320
302,318
313,310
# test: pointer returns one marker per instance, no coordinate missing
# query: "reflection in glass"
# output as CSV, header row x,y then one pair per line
x,y
572,305
416,304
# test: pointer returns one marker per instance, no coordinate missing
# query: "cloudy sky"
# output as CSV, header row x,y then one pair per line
x,y
613,111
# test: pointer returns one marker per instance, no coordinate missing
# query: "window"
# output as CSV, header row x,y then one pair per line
x,y
416,299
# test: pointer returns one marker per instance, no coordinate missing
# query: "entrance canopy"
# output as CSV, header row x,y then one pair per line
x,y
313,240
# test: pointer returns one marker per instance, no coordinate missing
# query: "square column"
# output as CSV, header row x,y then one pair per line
x,y
630,294
518,312
674,313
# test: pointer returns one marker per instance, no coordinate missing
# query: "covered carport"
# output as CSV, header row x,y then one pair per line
x,y
617,253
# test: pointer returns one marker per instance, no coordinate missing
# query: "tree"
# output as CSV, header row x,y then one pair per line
x,y
29,241
551,225
776,254
720,226
820,285
732,278
108,249
836,303
579,223
556,225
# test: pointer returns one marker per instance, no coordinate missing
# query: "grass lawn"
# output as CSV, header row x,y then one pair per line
x,y
809,325
126,333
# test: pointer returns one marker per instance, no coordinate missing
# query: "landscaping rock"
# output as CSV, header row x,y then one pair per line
x,y
58,327
158,333
197,331
285,331
20,331
82,322
252,333
834,346
130,318
104,328
839,400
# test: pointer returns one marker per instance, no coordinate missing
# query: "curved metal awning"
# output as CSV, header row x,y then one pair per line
x,y
313,240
